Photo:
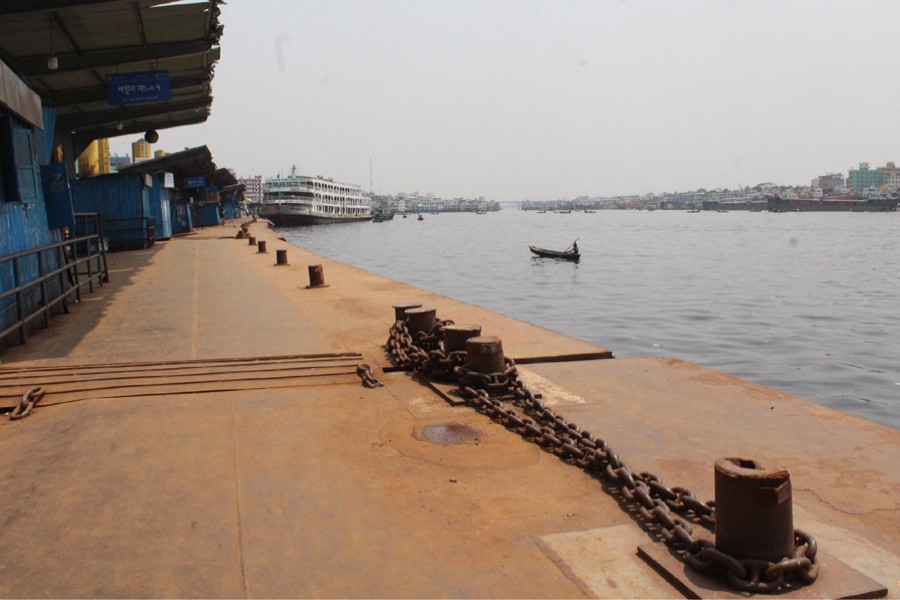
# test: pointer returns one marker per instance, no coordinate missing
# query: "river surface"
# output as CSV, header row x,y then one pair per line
x,y
808,303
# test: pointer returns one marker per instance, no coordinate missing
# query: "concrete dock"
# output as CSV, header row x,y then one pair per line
x,y
204,434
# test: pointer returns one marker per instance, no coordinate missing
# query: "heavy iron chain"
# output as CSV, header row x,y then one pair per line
x,y
504,398
368,378
423,352
26,404
668,509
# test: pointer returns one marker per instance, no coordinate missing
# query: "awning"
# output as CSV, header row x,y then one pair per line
x,y
193,162
92,40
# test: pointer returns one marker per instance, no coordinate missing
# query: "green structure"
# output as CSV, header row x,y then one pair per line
x,y
864,177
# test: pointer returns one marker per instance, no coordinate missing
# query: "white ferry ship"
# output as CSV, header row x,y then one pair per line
x,y
301,200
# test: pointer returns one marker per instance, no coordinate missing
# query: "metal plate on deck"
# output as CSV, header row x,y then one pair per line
x,y
836,579
603,561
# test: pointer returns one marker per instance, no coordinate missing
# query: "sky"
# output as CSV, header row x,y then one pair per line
x,y
546,99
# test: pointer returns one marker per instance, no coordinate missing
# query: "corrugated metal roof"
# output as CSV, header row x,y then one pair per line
x,y
95,38
192,162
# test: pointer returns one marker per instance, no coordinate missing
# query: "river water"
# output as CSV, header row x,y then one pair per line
x,y
808,303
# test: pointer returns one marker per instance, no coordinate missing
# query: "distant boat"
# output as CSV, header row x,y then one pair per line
x,y
589,211
571,253
421,218
540,212
382,214
841,203
480,212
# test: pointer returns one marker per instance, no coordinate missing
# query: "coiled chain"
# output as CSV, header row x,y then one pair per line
x,y
504,398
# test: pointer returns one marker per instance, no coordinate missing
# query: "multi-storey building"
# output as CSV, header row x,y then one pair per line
x,y
252,187
828,182
891,176
864,177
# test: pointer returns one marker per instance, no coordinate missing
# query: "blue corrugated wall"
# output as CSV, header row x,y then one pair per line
x,y
210,215
160,208
24,227
123,203
182,222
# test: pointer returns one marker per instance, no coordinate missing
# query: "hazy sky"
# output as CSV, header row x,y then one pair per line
x,y
548,99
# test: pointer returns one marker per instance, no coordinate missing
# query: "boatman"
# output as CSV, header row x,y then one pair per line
x,y
575,247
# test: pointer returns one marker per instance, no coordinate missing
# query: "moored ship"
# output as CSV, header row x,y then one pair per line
x,y
845,203
303,200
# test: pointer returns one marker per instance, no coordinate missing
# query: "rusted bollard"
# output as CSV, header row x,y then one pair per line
x,y
484,354
420,319
316,276
400,310
455,336
754,518
281,258
251,241
261,246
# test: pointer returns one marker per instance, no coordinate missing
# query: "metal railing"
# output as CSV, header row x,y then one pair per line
x,y
74,263
129,233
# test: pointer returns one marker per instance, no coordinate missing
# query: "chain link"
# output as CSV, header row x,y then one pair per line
x,y
26,404
671,511
368,378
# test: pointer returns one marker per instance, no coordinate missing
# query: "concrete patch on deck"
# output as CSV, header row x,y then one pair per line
x,y
605,561
551,394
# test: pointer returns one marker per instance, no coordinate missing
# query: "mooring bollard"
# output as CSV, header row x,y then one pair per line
x,y
484,354
420,319
251,241
455,336
400,310
316,276
261,246
281,258
754,518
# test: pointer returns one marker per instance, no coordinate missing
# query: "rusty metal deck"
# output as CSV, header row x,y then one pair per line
x,y
338,490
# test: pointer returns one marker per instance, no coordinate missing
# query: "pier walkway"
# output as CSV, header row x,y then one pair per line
x,y
204,434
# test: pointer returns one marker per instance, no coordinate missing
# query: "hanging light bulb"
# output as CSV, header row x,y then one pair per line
x,y
52,61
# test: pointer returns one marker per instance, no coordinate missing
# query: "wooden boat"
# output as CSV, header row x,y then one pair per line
x,y
570,254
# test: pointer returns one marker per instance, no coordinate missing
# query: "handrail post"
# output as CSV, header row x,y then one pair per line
x,y
98,227
90,269
20,303
45,301
63,280
74,246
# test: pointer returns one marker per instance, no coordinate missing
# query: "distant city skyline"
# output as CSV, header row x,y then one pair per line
x,y
541,99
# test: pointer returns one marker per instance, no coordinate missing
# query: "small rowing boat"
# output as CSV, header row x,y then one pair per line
x,y
570,253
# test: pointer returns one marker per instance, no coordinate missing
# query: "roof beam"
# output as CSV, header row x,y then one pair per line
x,y
10,7
84,137
36,66
119,114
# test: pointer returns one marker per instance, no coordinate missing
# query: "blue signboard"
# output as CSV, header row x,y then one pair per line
x,y
194,182
140,86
